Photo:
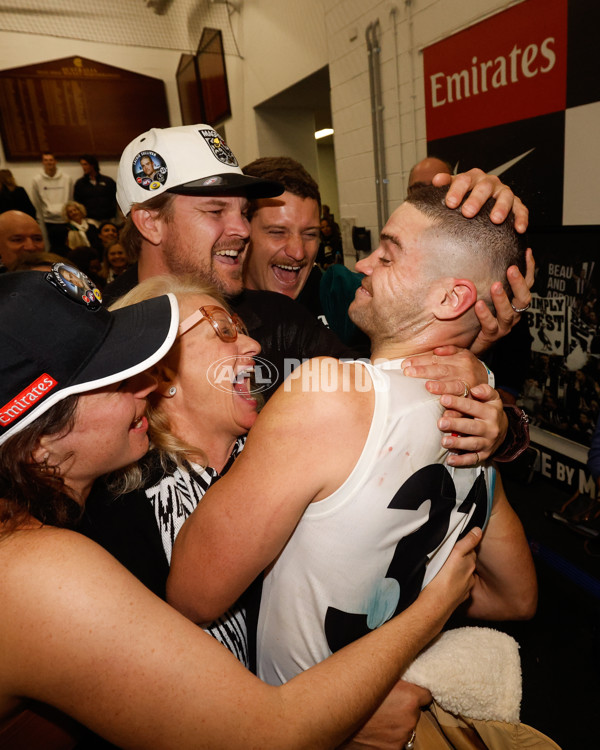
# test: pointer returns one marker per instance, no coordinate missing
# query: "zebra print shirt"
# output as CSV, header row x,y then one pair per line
x,y
173,498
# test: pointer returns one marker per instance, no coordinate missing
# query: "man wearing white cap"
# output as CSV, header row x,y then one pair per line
x,y
189,216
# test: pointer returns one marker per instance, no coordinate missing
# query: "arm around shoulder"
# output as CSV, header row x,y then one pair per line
x,y
86,637
293,457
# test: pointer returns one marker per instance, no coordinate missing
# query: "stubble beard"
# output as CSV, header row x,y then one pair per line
x,y
182,259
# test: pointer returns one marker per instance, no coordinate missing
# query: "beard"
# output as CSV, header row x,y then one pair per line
x,y
183,259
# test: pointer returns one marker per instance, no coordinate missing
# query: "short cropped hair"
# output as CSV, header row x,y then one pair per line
x,y
497,246
292,175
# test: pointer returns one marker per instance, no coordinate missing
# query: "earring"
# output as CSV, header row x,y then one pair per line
x,y
171,392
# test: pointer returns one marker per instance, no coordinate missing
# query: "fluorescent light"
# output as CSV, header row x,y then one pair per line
x,y
323,133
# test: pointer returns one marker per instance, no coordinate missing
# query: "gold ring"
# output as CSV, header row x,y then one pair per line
x,y
478,459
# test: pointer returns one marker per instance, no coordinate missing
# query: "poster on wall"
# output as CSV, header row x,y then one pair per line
x,y
518,95
75,105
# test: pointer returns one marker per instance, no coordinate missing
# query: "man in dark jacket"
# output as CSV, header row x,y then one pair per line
x,y
96,191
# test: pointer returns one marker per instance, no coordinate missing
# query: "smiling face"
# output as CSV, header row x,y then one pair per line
x,y
212,405
284,240
19,234
109,432
108,234
74,213
116,257
391,300
49,164
207,236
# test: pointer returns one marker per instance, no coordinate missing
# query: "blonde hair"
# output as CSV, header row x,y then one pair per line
x,y
65,208
169,448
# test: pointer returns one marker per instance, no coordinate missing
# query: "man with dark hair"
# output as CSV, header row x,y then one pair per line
x,y
195,222
349,530
284,231
97,192
510,357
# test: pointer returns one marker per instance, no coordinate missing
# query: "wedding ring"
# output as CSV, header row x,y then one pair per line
x,y
520,309
477,461
466,392
411,743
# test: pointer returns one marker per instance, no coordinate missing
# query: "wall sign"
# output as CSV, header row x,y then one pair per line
x,y
518,95
74,106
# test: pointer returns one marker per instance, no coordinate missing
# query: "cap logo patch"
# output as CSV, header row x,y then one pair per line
x,y
219,148
26,399
216,180
149,170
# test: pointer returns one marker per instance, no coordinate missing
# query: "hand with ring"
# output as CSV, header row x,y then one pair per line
x,y
507,312
474,428
393,724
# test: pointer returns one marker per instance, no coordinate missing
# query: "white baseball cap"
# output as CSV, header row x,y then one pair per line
x,y
187,160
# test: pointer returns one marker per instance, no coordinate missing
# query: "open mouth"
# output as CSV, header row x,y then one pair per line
x,y
139,423
242,384
231,257
286,274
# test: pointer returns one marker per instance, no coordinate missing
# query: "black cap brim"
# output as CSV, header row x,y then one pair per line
x,y
229,183
140,336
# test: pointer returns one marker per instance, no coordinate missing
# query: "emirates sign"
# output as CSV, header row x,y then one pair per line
x,y
510,67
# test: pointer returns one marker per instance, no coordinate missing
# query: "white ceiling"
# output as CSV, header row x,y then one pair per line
x,y
123,22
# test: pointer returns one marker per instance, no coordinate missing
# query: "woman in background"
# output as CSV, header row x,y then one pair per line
x,y
13,197
81,230
115,261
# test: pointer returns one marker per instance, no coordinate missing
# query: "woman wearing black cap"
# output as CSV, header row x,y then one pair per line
x,y
78,632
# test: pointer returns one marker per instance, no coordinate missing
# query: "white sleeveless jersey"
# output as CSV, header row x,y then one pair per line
x,y
363,554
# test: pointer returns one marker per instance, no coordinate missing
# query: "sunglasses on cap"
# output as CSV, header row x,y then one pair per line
x,y
226,326
74,284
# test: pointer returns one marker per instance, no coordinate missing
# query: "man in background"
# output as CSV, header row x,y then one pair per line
x,y
51,189
20,234
425,170
285,233
96,191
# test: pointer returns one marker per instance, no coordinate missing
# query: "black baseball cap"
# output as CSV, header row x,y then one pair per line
x,y
57,339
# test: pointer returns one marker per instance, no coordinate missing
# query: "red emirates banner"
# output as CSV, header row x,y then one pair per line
x,y
510,67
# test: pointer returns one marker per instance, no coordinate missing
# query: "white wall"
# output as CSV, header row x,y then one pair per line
x,y
279,43
269,45
405,28
17,49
